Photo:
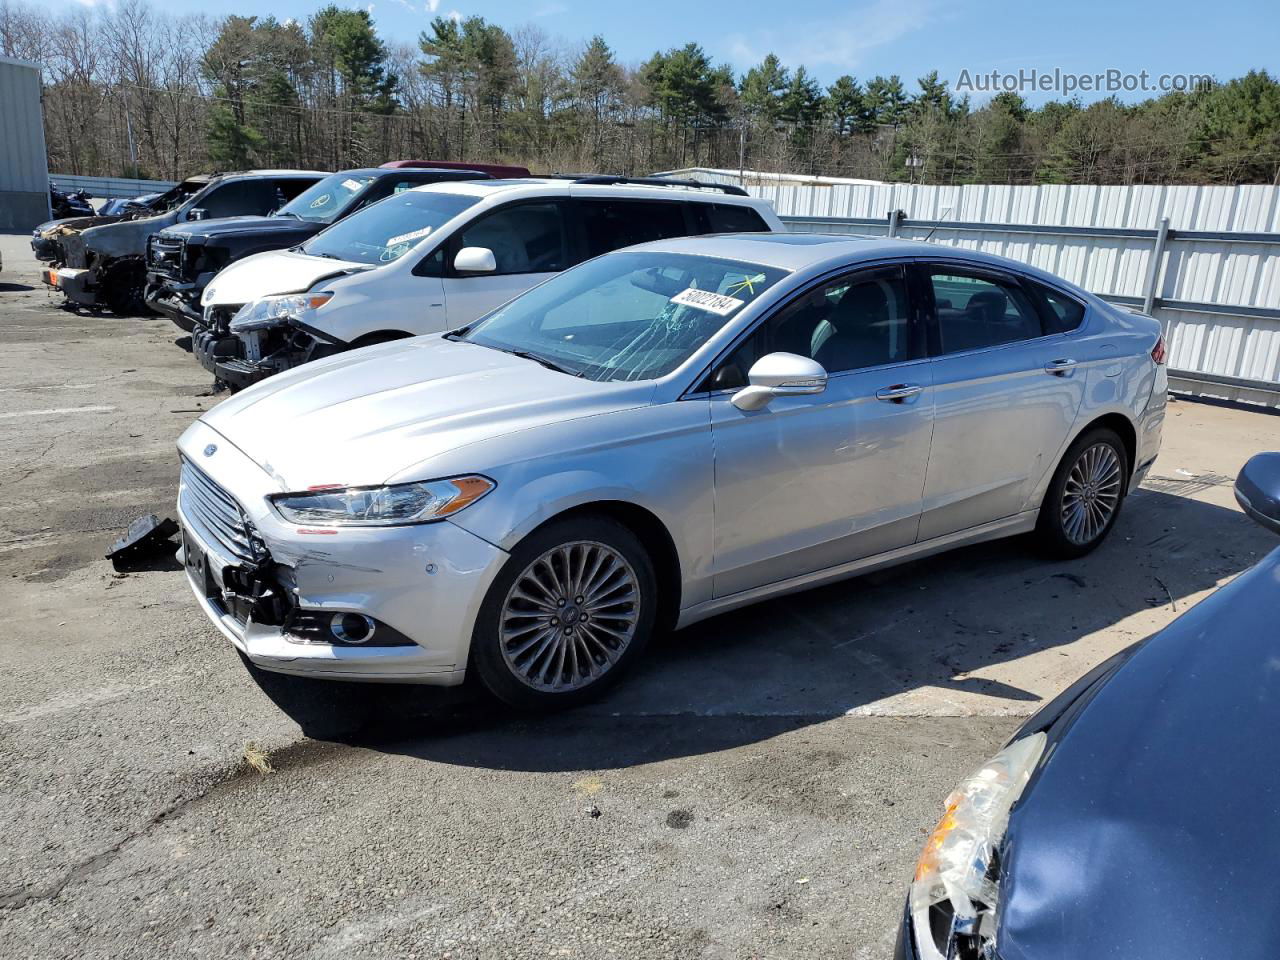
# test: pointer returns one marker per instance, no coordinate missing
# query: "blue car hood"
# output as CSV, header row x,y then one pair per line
x,y
1152,829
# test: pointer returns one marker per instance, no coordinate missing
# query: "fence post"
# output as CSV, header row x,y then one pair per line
x,y
895,216
1157,263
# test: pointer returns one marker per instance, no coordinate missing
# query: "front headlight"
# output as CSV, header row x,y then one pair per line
x,y
956,891
387,506
272,311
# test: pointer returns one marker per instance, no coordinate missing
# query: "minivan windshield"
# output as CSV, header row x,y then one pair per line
x,y
389,229
322,202
624,316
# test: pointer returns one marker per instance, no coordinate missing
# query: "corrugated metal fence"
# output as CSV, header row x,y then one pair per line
x,y
106,188
1205,260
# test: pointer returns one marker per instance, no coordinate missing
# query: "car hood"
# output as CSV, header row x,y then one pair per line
x,y
257,226
65,225
1150,831
381,413
277,271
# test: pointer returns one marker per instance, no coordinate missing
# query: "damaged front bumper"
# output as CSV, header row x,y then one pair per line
x,y
241,360
173,300
274,590
77,284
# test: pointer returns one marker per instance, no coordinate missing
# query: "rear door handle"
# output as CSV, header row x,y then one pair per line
x,y
1060,367
900,392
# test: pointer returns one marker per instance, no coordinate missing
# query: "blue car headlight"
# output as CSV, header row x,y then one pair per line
x,y
955,893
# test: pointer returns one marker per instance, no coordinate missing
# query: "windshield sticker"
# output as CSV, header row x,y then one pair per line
x,y
748,284
352,185
716,303
406,237
320,201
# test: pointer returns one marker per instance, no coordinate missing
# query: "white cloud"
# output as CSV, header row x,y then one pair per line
x,y
842,42
454,15
551,9
432,5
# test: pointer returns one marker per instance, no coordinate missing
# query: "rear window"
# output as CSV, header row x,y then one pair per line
x,y
734,218
613,224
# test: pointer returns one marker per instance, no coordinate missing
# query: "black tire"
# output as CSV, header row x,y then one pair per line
x,y
1053,530
494,667
124,286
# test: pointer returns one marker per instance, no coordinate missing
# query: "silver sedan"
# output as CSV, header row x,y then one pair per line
x,y
654,437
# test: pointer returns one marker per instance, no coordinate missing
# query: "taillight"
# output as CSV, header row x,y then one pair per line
x,y
1158,351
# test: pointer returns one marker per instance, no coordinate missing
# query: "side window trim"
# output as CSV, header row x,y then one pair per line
x,y
453,243
861,273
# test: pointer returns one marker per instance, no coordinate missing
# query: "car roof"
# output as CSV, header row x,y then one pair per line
x,y
565,186
822,251
410,172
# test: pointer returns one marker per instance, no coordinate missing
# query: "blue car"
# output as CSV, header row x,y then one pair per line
x,y
1134,816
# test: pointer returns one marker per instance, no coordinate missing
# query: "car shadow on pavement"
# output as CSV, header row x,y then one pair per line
x,y
979,631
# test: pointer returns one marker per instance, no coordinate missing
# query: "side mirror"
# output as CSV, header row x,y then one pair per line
x,y
779,375
475,260
1258,490
196,213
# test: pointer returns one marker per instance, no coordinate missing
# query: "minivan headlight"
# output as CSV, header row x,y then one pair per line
x,y
955,893
387,506
272,311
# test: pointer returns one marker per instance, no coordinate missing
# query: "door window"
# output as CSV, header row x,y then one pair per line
x,y
849,323
524,238
612,224
974,312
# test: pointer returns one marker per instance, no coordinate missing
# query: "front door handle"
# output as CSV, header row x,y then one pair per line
x,y
1060,367
899,393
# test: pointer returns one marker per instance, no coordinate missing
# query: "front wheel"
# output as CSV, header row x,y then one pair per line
x,y
570,610
1084,498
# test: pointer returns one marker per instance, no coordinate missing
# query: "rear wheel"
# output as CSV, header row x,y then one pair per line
x,y
1085,496
571,609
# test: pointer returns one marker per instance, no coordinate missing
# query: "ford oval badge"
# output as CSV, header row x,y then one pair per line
x,y
210,450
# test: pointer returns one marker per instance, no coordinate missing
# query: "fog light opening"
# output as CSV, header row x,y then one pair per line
x,y
353,628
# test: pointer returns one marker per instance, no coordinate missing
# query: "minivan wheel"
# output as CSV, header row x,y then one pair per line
x,y
1085,496
570,610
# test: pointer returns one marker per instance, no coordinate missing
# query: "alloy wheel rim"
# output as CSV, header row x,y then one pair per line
x,y
569,616
1091,494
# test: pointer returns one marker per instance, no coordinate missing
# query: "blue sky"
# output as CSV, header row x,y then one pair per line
x,y
866,37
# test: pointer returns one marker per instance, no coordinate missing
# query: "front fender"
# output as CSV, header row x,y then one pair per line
x,y
664,468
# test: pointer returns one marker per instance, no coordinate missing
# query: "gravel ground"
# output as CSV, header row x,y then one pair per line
x,y
759,788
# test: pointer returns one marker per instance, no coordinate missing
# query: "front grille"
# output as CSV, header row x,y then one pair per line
x,y
215,513
166,255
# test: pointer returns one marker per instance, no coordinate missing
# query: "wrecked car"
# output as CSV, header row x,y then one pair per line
x,y
529,498
182,259
1133,816
46,238
63,204
102,264
440,256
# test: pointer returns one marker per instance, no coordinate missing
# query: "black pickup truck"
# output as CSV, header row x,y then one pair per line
x,y
99,261
182,259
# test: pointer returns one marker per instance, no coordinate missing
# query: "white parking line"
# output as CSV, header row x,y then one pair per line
x,y
54,411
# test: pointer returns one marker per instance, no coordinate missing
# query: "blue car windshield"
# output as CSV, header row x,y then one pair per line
x,y
624,316
324,201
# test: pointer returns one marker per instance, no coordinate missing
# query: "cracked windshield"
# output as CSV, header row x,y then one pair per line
x,y
628,316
